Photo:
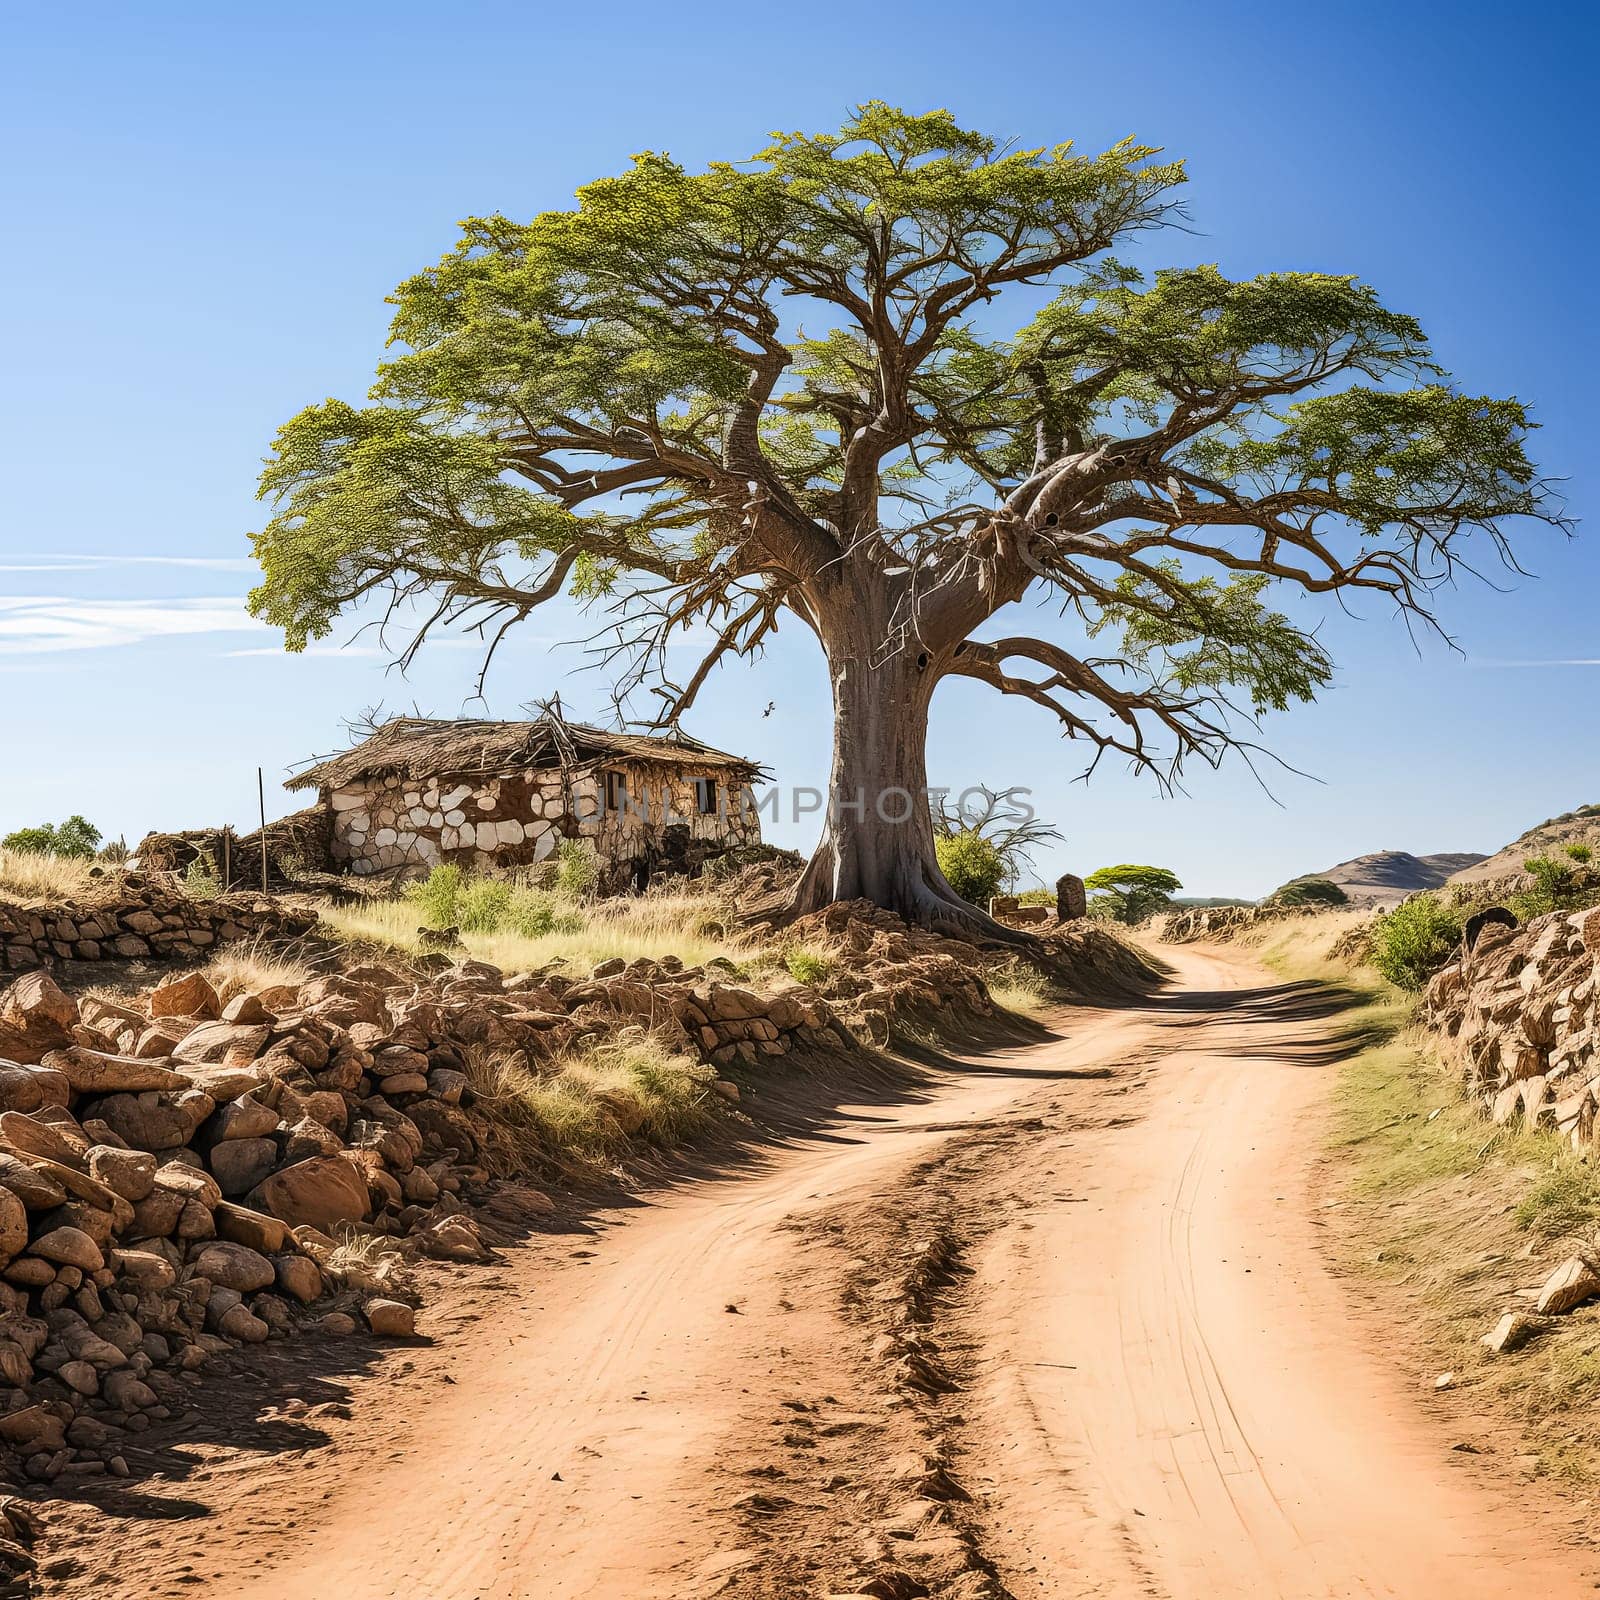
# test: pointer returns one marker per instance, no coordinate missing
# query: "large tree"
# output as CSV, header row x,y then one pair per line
x,y
782,389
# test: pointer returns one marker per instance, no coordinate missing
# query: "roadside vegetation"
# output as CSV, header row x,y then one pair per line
x,y
581,1115
75,839
1450,1214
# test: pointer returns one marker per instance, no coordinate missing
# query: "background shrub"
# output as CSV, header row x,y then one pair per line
x,y
76,838
971,865
1411,943
1309,892
577,870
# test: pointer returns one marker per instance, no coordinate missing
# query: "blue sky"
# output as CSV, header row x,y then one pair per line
x,y
207,206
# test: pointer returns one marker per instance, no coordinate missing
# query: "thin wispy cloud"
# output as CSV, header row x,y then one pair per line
x,y
40,624
1551,661
51,561
367,650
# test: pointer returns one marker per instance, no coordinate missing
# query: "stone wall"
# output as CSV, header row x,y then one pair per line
x,y
141,922
392,823
1517,1015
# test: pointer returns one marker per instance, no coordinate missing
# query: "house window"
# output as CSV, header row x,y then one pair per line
x,y
616,792
705,796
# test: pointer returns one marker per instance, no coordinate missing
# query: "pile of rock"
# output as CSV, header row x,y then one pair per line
x,y
886,975
127,1250
139,921
1194,924
695,1010
1517,1013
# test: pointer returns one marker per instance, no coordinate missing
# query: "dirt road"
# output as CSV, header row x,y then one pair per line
x,y
1059,1328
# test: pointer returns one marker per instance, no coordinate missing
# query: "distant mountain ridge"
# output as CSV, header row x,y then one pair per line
x,y
1388,876
1551,837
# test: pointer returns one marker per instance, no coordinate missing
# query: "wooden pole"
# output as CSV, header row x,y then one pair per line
x,y
227,859
261,795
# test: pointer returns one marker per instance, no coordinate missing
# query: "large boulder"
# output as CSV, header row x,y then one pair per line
x,y
130,1173
68,1247
145,1121
239,1165
27,1087
234,1266
243,1118
320,1193
222,1044
36,1190
188,994
36,1017
95,1072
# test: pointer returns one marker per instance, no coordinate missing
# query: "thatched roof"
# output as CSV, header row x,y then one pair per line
x,y
423,747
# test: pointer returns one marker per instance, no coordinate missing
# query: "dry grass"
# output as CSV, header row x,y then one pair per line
x,y
33,879
1018,987
581,1114
368,1263
1454,1218
251,968
1302,947
651,925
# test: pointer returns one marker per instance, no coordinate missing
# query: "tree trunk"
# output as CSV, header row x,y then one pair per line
x,y
877,838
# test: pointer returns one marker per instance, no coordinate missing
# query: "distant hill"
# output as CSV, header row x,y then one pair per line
x,y
1388,876
1549,838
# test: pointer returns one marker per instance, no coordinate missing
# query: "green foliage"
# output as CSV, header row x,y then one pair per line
x,y
651,342
1197,634
971,864
1552,879
1037,897
450,898
75,838
577,870
1130,893
1411,942
807,966
1563,883
1003,819
201,880
1309,892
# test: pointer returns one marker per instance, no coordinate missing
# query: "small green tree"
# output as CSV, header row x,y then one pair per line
x,y
1309,892
1131,893
972,865
75,837
1004,819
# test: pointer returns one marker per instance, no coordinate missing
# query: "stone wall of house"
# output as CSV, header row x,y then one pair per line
x,y
392,823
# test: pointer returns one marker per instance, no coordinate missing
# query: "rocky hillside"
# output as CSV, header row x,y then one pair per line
x,y
1549,838
1388,876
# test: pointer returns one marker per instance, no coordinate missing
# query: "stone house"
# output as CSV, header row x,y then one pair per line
x,y
420,792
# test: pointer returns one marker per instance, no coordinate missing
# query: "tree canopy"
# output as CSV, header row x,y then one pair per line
x,y
783,389
1130,893
76,837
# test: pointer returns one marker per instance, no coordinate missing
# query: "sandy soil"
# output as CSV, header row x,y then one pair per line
x,y
1058,1327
